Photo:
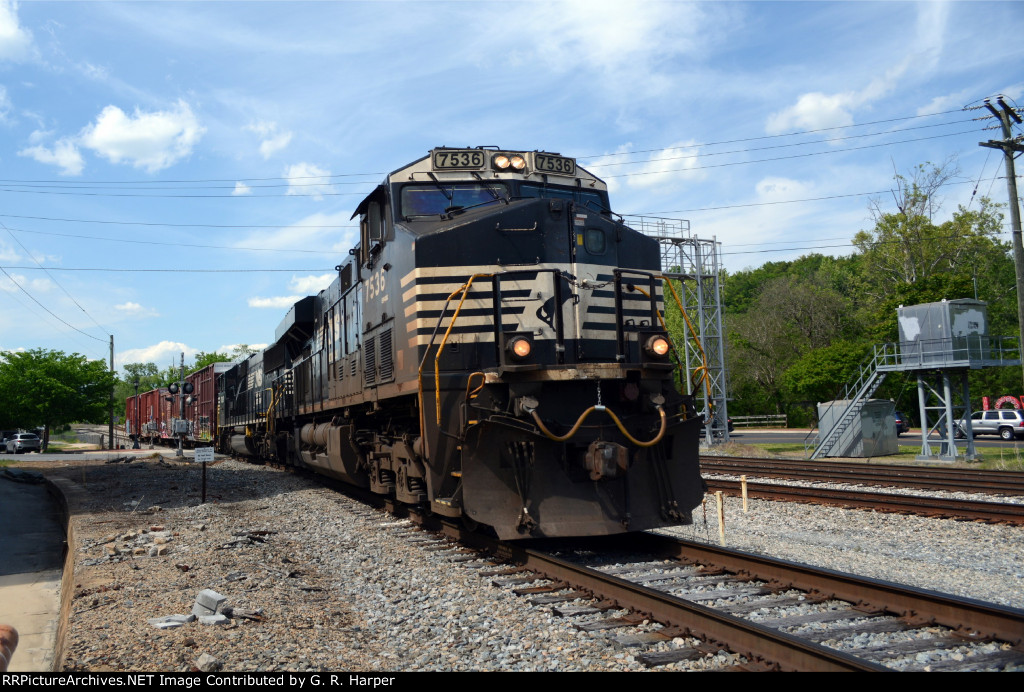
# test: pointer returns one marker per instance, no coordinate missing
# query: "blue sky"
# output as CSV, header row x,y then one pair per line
x,y
240,135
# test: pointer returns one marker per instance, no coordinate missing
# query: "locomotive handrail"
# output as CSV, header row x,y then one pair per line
x,y
437,374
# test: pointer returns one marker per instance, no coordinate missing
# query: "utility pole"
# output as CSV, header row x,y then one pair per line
x,y
1009,145
111,429
181,400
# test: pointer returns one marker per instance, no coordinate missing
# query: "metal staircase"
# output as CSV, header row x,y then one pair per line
x,y
854,396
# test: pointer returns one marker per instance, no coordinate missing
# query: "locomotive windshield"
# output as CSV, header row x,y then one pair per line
x,y
586,198
438,198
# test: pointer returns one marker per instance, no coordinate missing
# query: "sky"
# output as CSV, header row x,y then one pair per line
x,y
177,174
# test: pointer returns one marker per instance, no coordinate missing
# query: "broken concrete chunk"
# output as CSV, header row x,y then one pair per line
x,y
208,602
215,619
169,621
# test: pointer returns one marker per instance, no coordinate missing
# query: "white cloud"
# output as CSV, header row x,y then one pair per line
x,y
152,141
277,302
307,179
818,110
64,154
136,310
11,284
8,253
678,162
949,102
814,111
619,39
241,189
273,140
776,189
5,103
327,232
163,352
15,42
275,144
309,285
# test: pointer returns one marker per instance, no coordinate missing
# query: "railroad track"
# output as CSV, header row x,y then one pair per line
x,y
672,600
964,480
918,478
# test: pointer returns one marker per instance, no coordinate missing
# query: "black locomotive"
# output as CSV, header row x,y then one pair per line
x,y
492,348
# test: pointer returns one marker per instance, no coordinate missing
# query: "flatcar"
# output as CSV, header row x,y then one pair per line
x,y
493,349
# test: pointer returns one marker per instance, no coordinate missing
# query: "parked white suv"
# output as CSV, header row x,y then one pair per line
x,y
22,442
1007,423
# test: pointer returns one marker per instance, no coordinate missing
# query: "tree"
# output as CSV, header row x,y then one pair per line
x,y
203,359
790,316
241,352
51,388
907,246
817,375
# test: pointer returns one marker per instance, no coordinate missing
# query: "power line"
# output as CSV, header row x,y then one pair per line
x,y
786,201
782,158
22,288
77,192
124,194
174,225
788,134
32,257
775,146
167,271
156,242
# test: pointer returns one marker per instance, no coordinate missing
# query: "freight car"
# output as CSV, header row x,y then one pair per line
x,y
152,420
493,349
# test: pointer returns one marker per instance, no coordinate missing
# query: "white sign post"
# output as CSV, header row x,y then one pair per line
x,y
204,454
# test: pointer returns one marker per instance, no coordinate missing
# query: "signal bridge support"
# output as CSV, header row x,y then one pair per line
x,y
695,264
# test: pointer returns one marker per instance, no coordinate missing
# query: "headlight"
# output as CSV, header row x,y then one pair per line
x,y
657,346
520,347
504,162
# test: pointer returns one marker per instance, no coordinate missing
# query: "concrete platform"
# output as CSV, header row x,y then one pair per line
x,y
32,544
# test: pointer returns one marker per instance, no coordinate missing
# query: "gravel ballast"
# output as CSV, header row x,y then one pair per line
x,y
313,581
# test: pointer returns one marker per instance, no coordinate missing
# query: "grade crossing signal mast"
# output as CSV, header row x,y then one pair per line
x,y
181,390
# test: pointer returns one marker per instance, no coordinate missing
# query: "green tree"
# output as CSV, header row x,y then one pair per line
x,y
817,375
51,388
241,352
203,359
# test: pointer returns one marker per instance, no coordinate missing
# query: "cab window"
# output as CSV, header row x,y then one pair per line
x,y
586,198
440,198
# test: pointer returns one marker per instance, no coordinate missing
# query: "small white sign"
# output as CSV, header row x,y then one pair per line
x,y
204,454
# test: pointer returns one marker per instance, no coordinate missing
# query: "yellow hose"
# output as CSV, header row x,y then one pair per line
x,y
618,424
703,370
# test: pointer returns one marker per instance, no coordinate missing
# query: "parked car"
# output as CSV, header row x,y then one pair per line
x,y
1007,423
22,442
902,424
